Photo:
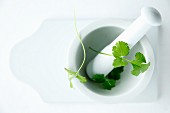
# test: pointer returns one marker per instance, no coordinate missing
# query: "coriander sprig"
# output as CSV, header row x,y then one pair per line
x,y
120,50
72,74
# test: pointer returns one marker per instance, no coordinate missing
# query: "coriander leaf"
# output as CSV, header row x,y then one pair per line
x,y
118,70
81,78
139,58
139,64
136,70
72,74
145,67
121,49
119,62
109,84
99,78
115,73
139,69
115,76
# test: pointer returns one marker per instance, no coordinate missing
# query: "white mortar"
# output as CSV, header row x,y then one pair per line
x,y
98,35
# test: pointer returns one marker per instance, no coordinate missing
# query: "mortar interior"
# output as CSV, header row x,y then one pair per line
x,y
98,39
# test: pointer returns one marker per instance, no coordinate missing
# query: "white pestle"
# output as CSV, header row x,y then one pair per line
x,y
102,64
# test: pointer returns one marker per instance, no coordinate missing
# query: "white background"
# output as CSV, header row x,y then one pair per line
x,y
20,18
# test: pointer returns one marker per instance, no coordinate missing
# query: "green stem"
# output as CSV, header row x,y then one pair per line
x,y
130,61
80,39
100,52
127,60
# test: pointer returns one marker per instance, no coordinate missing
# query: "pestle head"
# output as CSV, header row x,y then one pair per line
x,y
152,16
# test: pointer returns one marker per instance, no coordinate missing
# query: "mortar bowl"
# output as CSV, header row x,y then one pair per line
x,y
98,35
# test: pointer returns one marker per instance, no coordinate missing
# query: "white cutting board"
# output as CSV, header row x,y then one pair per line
x,y
40,59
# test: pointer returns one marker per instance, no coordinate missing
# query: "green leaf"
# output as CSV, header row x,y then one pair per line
x,y
99,78
119,62
115,76
109,84
71,84
136,70
72,74
139,69
121,49
118,70
139,58
139,64
145,67
81,78
115,73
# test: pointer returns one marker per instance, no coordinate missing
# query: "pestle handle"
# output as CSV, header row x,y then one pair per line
x,y
149,17
102,64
